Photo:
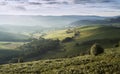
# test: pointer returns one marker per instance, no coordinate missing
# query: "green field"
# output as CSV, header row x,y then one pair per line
x,y
72,57
10,45
106,63
88,36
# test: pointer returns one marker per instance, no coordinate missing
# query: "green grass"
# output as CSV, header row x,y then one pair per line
x,y
87,33
106,63
6,36
88,36
58,35
10,45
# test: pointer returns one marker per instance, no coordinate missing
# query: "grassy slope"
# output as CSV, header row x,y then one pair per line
x,y
10,45
87,33
87,63
106,63
6,36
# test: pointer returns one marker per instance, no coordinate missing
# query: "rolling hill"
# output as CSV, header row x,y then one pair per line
x,y
78,45
106,63
73,56
7,36
41,20
31,23
106,21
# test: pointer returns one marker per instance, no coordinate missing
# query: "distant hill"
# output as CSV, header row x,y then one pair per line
x,y
44,21
108,21
31,23
6,36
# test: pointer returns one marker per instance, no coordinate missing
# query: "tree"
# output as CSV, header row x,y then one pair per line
x,y
96,49
67,39
77,33
20,60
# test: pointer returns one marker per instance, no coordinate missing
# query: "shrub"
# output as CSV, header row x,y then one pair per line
x,y
69,31
67,39
14,60
77,44
96,49
77,33
20,60
116,45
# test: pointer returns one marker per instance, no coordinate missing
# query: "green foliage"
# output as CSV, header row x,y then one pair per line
x,y
69,31
116,45
77,44
6,36
20,60
77,33
96,49
39,46
67,39
80,45
107,63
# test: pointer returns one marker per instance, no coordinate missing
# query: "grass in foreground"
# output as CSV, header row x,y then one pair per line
x,y
106,63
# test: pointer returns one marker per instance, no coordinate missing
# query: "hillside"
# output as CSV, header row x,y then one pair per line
x,y
78,45
7,36
67,52
87,34
107,21
106,63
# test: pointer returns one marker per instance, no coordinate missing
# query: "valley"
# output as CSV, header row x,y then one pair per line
x,y
65,50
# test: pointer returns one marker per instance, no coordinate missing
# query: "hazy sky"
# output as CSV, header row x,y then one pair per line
x,y
60,7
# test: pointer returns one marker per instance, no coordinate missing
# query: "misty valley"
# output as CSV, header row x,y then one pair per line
x,y
59,44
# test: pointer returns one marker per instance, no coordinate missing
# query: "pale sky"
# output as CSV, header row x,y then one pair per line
x,y
60,7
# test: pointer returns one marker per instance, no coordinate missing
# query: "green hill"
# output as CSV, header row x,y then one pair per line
x,y
6,36
69,54
106,63
107,36
77,45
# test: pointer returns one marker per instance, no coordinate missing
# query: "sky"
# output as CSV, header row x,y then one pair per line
x,y
60,7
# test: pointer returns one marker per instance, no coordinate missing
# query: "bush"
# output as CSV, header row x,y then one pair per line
x,y
69,31
14,60
77,33
116,45
67,39
38,47
96,49
77,44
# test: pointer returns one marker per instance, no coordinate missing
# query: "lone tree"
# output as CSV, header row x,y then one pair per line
x,y
77,33
96,49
